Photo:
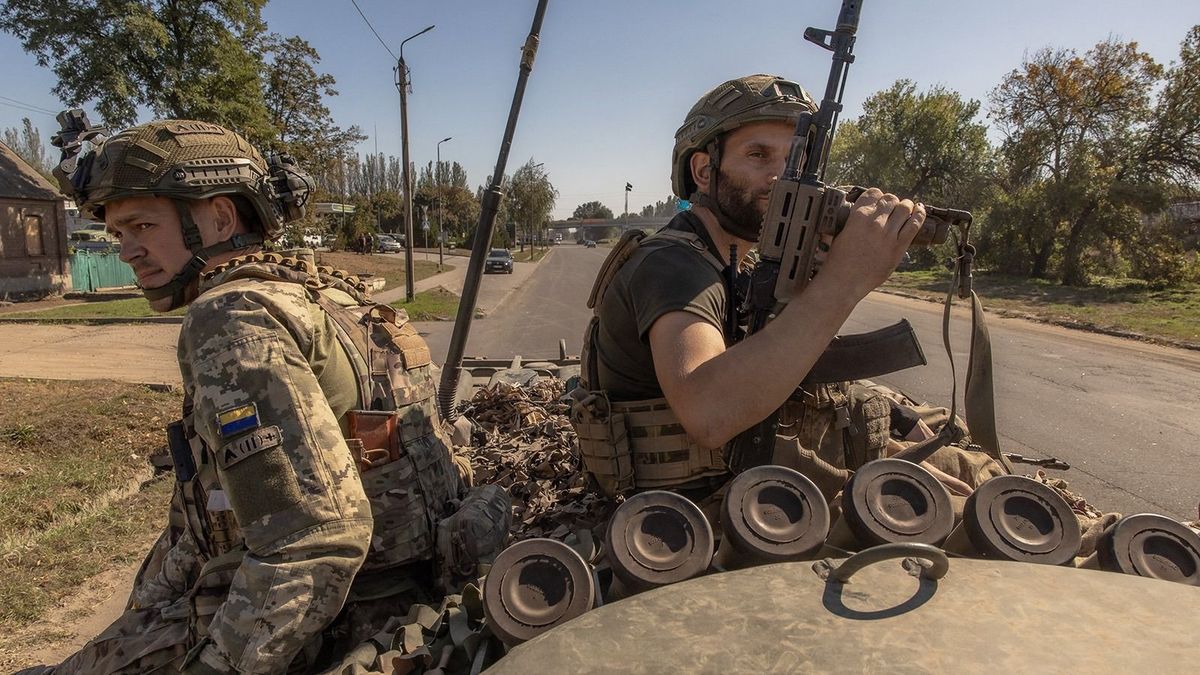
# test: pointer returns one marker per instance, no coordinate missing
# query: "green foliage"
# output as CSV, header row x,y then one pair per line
x,y
27,143
180,58
452,205
1087,151
436,304
592,210
530,197
1157,255
926,146
295,102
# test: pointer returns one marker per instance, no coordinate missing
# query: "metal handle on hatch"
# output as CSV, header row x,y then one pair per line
x,y
933,564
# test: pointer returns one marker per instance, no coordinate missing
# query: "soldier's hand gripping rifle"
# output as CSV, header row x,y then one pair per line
x,y
803,211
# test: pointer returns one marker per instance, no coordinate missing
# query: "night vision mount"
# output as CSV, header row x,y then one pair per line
x,y
74,130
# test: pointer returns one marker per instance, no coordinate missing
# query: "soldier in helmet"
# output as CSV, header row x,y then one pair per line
x,y
659,351
312,471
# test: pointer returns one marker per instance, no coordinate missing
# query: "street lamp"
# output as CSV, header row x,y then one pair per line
x,y
402,85
441,232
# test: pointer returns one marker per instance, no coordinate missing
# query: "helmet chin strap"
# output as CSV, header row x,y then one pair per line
x,y
182,287
710,201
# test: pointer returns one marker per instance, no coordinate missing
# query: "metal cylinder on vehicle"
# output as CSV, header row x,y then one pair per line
x,y
533,586
1020,519
1150,545
771,514
891,501
657,538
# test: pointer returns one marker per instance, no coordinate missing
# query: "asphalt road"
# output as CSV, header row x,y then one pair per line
x,y
1122,413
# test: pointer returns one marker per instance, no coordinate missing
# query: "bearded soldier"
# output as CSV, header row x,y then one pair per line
x,y
312,472
666,386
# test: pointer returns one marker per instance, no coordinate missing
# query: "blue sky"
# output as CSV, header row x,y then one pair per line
x,y
613,78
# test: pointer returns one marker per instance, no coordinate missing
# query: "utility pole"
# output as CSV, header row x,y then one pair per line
x,y
441,232
402,84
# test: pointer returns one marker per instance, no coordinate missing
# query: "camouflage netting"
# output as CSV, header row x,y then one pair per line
x,y
1078,504
523,441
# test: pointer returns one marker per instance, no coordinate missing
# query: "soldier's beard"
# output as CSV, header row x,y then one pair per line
x,y
742,209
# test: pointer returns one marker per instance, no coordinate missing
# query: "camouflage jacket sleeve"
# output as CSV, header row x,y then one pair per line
x,y
284,466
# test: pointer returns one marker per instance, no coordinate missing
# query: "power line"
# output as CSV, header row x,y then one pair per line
x,y
29,105
368,21
14,103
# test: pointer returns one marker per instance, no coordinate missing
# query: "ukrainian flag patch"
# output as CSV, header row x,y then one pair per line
x,y
236,420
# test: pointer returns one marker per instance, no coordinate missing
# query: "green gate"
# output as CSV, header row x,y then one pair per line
x,y
93,270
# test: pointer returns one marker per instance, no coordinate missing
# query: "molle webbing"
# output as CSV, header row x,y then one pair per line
x,y
411,489
635,443
663,454
603,441
638,444
368,333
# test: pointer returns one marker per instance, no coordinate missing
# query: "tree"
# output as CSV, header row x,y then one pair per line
x,y
530,198
27,143
664,209
1088,146
926,146
501,234
181,58
294,98
444,189
592,210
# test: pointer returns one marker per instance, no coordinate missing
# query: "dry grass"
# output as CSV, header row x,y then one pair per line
x,y
390,267
436,304
76,495
1118,304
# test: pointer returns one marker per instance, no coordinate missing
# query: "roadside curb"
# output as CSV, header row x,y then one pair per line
x,y
1062,323
430,283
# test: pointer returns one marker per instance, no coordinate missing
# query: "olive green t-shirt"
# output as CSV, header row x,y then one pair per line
x,y
655,281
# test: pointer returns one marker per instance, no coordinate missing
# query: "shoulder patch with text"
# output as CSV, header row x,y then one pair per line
x,y
261,439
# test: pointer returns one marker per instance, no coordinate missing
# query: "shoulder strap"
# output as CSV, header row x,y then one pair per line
x,y
693,240
625,248
345,328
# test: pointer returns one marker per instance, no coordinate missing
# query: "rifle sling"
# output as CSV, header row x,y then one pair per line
x,y
978,399
866,355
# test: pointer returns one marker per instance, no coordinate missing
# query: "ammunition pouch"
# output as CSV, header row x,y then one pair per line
x,y
473,535
638,444
845,424
603,441
403,455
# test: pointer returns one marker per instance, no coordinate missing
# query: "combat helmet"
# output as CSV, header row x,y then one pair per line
x,y
754,98
182,160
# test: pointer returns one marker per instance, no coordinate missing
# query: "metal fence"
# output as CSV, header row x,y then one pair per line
x,y
93,270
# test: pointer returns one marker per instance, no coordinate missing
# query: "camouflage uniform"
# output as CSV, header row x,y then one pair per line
x,y
267,537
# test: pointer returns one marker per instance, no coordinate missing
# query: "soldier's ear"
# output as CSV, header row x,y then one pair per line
x,y
225,217
700,165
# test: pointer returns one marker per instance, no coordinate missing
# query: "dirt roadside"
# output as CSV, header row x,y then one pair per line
x,y
68,627
129,353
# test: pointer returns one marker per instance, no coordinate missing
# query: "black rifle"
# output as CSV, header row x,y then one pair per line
x,y
801,211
